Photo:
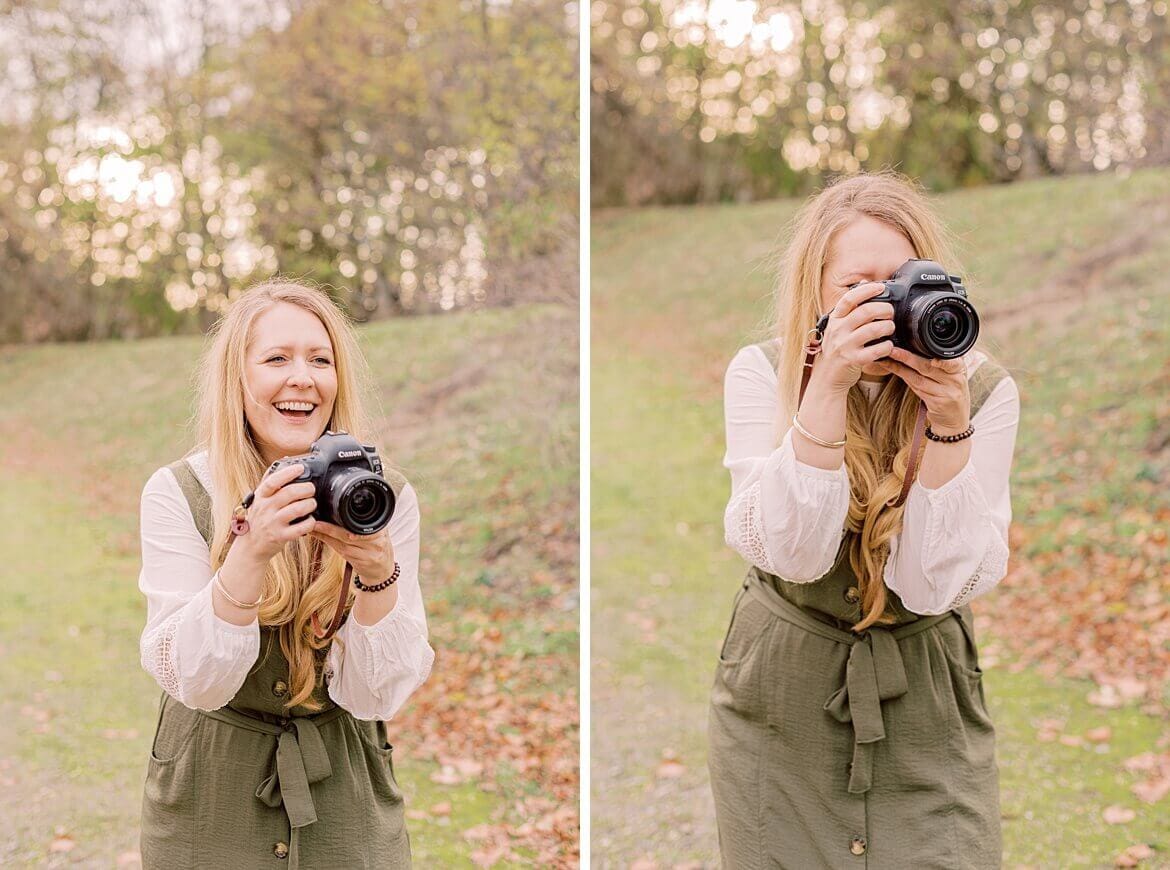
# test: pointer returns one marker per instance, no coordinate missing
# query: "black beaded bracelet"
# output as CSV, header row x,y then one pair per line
x,y
393,578
951,439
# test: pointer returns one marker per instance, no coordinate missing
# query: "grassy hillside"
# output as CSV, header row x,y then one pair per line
x,y
480,412
1069,275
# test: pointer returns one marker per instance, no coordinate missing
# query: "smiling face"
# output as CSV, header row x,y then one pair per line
x,y
290,381
866,249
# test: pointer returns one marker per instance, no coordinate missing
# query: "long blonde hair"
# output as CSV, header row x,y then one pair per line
x,y
293,589
877,434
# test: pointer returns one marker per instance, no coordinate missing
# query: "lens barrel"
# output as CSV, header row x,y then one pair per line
x,y
362,502
942,325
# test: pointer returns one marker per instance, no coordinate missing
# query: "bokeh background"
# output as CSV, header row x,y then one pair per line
x,y
1040,131
716,100
419,159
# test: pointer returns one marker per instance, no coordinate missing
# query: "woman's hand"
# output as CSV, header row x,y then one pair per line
x,y
940,383
852,323
372,556
277,503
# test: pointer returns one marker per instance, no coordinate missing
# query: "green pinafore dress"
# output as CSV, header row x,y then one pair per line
x,y
256,784
829,749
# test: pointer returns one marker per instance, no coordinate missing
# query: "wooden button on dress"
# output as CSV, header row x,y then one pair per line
x,y
280,688
280,850
857,846
852,594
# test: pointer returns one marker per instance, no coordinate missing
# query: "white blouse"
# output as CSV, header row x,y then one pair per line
x,y
202,660
788,518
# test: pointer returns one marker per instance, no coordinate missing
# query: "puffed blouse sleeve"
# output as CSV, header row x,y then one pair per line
x,y
198,658
953,545
376,667
783,516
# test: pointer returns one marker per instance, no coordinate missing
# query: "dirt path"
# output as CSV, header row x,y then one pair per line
x,y
1058,298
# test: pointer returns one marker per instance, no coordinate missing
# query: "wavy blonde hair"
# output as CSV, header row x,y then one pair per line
x,y
877,434
305,577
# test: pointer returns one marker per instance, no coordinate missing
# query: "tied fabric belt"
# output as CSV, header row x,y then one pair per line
x,y
873,673
301,760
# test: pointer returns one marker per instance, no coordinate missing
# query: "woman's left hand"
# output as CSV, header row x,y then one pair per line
x,y
372,556
940,383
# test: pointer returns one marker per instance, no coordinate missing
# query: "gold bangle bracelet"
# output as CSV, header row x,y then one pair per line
x,y
813,438
228,596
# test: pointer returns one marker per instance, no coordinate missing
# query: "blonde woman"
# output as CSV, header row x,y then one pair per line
x,y
847,722
270,747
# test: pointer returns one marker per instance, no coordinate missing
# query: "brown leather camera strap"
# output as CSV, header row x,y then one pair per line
x,y
340,612
811,349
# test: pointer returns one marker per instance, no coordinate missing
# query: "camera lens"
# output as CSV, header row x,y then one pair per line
x,y
361,501
944,326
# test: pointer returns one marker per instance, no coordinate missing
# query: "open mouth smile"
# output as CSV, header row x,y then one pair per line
x,y
295,410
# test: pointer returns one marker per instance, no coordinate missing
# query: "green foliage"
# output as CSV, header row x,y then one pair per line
x,y
687,98
415,154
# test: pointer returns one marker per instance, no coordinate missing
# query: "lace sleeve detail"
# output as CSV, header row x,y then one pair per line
x,y
159,654
789,522
743,527
991,569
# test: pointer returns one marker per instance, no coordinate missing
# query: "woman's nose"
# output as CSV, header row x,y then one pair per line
x,y
300,376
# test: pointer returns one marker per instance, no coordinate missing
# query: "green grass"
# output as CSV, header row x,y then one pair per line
x,y
480,412
675,292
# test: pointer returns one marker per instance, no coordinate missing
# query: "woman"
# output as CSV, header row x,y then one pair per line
x,y
847,724
270,745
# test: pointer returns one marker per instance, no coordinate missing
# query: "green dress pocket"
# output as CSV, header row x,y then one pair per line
x,y
175,731
380,755
388,809
168,800
737,678
962,655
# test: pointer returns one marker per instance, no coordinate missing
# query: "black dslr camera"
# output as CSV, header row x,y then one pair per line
x,y
932,315
351,491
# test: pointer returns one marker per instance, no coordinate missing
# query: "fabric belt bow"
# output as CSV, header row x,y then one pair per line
x,y
874,673
301,760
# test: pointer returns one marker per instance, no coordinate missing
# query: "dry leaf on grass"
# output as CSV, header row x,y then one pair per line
x,y
481,832
1145,761
488,855
1105,696
1118,815
446,775
1152,790
1133,856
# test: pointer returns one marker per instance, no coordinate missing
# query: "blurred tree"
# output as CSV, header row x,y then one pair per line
x,y
694,100
415,156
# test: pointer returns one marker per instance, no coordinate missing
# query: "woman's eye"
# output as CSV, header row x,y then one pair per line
x,y
324,361
277,358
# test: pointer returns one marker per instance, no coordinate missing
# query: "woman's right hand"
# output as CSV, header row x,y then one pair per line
x,y
277,503
853,323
